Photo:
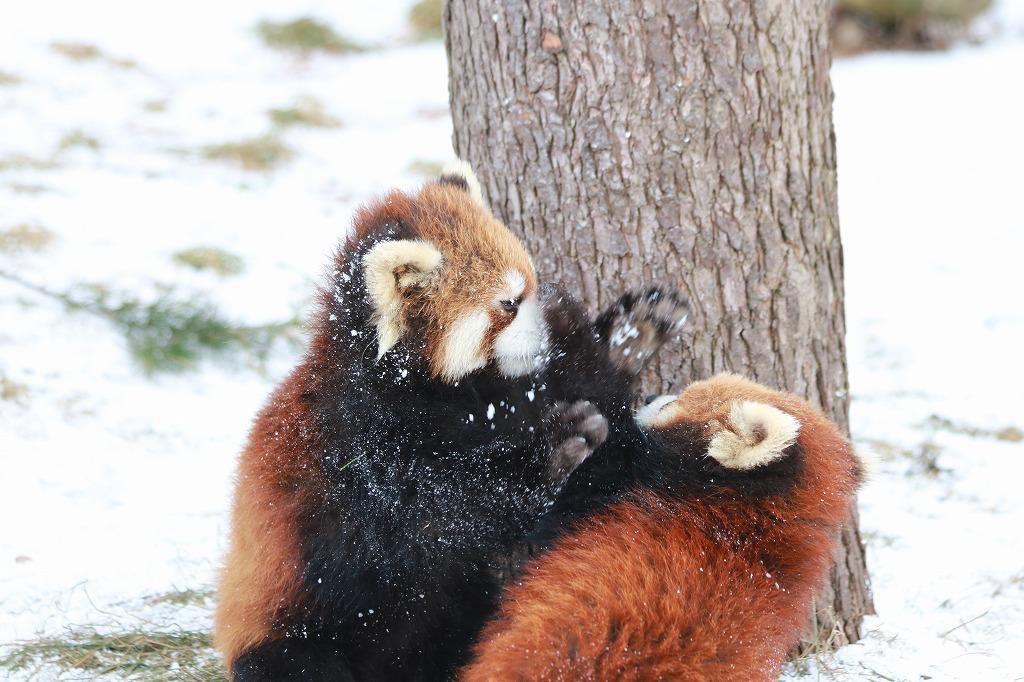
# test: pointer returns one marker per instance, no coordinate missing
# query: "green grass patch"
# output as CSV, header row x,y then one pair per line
x,y
874,538
425,19
186,597
305,112
1009,434
12,392
428,169
211,259
17,162
173,334
305,35
77,139
25,238
923,458
7,78
257,154
906,10
138,654
77,52
170,333
862,25
85,52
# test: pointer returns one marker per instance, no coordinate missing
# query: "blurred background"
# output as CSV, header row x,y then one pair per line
x,y
174,177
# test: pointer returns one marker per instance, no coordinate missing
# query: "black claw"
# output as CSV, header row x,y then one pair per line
x,y
637,325
574,432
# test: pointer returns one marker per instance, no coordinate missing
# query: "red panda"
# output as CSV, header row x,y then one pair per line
x,y
704,572
409,450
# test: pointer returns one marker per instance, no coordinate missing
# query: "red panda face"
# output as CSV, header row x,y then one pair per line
x,y
746,425
464,290
708,402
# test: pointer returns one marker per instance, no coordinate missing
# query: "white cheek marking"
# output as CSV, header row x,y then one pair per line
x,y
518,348
649,416
462,345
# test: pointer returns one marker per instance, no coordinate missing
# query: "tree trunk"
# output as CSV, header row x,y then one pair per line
x,y
686,142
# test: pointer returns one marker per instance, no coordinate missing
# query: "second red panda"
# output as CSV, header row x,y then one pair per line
x,y
704,567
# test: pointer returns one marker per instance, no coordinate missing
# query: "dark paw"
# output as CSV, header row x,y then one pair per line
x,y
637,325
564,314
574,431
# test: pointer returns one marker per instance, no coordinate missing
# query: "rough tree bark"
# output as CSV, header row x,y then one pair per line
x,y
688,142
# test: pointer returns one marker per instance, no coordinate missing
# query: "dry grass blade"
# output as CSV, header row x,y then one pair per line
x,y
139,654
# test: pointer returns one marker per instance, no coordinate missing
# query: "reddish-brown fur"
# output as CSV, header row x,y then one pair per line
x,y
714,587
275,483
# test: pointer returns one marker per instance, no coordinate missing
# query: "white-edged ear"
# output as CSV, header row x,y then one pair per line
x,y
462,169
758,434
390,268
868,460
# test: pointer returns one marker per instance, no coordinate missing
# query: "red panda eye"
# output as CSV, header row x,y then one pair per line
x,y
510,306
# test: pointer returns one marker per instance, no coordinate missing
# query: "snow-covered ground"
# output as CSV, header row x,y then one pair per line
x,y
930,177
114,484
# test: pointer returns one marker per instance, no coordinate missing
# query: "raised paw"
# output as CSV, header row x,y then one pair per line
x,y
637,325
574,430
752,435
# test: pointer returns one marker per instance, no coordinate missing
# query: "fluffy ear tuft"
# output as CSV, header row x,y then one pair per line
x,y
867,465
461,173
756,434
392,267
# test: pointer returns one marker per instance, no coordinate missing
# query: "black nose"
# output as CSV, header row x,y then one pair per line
x,y
651,398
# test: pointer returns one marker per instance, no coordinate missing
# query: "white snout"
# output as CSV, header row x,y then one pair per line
x,y
648,415
519,346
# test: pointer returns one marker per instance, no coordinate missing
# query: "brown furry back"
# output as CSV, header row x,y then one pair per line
x,y
277,482
712,587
